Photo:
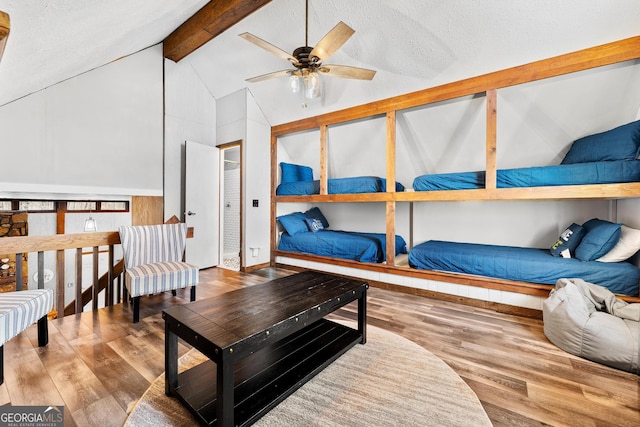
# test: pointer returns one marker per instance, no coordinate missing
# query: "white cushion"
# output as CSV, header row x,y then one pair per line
x,y
627,246
160,277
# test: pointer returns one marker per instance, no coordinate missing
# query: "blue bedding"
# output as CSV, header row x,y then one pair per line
x,y
363,247
352,185
606,172
522,264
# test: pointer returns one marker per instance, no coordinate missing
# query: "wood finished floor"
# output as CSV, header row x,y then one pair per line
x,y
98,364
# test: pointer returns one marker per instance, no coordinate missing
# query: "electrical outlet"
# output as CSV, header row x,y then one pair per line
x,y
255,203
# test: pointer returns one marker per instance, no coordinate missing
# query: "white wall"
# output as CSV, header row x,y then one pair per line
x,y
190,115
257,185
231,118
527,224
240,119
99,133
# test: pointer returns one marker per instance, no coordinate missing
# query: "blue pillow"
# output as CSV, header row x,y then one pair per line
x,y
601,236
621,143
315,213
295,173
293,223
314,224
568,241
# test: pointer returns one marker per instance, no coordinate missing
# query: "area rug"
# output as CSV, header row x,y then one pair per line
x,y
389,381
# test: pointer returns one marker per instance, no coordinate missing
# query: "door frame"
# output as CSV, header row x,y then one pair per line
x,y
222,148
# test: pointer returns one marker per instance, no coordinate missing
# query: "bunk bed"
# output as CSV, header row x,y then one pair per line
x,y
309,233
297,180
615,178
604,158
522,264
596,251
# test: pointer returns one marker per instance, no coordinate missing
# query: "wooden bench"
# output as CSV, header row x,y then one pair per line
x,y
18,311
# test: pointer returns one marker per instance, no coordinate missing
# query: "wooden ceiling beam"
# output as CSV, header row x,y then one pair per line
x,y
4,31
214,18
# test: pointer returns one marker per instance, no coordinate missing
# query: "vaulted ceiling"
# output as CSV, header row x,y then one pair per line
x,y
412,44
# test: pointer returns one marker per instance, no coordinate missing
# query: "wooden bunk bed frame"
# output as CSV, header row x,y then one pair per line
x,y
487,85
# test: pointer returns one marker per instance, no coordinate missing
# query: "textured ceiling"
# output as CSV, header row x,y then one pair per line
x,y
412,44
54,40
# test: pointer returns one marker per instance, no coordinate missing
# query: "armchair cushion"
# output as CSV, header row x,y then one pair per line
x,y
20,309
160,277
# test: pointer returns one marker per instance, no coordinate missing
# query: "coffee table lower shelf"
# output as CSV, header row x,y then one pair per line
x,y
266,377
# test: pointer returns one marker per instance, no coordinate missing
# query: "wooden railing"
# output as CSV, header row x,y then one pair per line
x,y
59,243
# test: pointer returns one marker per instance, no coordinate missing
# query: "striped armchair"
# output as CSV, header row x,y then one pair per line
x,y
153,261
18,311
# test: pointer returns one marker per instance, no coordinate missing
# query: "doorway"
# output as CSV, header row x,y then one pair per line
x,y
231,206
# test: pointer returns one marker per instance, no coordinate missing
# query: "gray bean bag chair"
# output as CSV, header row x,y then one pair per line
x,y
587,320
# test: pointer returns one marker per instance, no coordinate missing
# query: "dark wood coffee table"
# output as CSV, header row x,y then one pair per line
x,y
263,342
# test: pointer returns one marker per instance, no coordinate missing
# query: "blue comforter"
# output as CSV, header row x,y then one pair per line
x,y
570,174
363,247
352,185
522,264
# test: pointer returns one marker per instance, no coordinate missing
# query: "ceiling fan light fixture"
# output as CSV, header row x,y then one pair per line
x,y
311,85
294,83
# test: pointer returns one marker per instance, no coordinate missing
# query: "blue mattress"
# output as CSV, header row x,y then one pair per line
x,y
522,264
352,185
363,247
570,174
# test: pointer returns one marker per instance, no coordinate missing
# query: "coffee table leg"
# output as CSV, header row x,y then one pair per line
x,y
224,402
362,316
170,360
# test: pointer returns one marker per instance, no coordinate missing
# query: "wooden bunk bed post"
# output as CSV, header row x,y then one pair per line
x,y
324,178
274,184
391,188
491,165
391,151
391,233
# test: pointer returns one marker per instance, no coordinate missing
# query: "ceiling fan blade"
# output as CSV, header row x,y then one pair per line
x,y
332,41
5,27
268,76
269,47
347,72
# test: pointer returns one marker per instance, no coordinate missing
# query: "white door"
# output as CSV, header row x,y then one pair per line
x,y
201,203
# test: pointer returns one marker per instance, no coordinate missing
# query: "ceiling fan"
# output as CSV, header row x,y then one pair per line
x,y
308,60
